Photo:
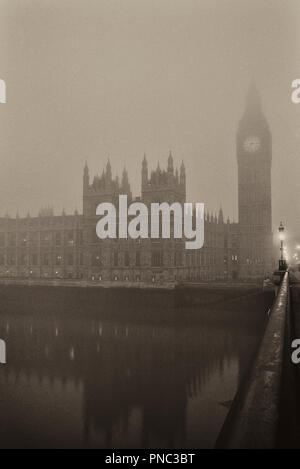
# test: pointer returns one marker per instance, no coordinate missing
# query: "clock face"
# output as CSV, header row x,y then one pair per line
x,y
252,144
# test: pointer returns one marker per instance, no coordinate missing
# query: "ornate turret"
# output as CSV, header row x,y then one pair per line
x,y
163,184
104,188
86,177
220,216
253,101
182,178
45,212
170,163
125,186
144,172
108,171
170,170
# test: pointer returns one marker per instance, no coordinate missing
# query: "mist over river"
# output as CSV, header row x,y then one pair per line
x,y
75,378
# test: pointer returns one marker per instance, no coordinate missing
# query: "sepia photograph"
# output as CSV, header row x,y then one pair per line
x,y
149,227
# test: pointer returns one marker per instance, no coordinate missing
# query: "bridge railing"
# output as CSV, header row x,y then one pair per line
x,y
253,418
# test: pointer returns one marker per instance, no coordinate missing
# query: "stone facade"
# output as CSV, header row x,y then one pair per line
x,y
66,246
149,260
254,156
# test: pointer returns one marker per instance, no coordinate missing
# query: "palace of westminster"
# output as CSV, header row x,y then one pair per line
x,y
66,246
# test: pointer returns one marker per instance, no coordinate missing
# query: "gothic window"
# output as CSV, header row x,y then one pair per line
x,y
58,238
34,259
34,238
12,239
70,237
81,258
93,236
96,259
45,238
46,259
58,259
178,258
22,258
126,258
116,258
23,239
11,258
70,259
80,237
138,258
156,258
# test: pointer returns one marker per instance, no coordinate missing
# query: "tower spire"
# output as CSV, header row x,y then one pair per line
x,y
254,156
108,170
86,176
170,163
182,178
253,101
220,215
125,183
144,172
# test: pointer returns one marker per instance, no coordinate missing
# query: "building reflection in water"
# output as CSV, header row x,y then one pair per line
x,y
81,382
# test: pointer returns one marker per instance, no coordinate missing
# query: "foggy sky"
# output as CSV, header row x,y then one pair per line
x,y
91,78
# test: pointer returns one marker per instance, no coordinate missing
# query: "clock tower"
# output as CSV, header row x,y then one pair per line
x,y
254,157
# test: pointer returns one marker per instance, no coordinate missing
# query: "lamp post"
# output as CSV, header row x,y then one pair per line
x,y
297,254
282,263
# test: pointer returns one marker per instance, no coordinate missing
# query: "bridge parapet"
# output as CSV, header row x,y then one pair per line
x,y
253,419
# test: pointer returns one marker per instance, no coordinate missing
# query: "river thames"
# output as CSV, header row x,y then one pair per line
x,y
74,379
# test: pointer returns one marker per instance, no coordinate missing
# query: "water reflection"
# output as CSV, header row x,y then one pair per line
x,y
86,383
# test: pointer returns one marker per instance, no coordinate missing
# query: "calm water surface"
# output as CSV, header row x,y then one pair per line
x,y
82,382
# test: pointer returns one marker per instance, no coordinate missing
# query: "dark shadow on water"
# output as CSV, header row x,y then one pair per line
x,y
75,378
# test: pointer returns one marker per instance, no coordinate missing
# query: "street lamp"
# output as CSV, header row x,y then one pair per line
x,y
282,263
297,255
